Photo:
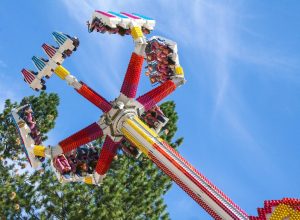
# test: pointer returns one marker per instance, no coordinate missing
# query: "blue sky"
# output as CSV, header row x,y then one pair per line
x,y
239,110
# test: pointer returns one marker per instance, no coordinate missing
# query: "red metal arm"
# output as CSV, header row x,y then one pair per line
x,y
84,136
132,77
154,96
185,188
107,154
207,187
212,199
94,97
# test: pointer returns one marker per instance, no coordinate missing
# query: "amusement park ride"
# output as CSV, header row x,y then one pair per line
x,y
130,123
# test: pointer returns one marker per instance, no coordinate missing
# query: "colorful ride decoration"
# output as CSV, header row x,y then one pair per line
x,y
279,209
129,123
30,137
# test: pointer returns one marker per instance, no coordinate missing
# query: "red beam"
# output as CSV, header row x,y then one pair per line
x,y
184,187
154,96
94,97
132,77
196,182
84,136
107,154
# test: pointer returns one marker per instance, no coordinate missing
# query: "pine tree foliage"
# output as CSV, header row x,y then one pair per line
x,y
132,189
17,191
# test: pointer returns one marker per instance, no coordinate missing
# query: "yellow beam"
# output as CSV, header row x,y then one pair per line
x,y
146,127
179,70
135,127
136,32
61,72
39,150
134,141
88,180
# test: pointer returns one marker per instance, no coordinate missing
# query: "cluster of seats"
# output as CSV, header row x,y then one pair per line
x,y
80,162
154,118
68,52
99,26
129,149
28,117
161,66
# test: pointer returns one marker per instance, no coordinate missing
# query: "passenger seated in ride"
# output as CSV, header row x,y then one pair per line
x,y
149,120
153,80
82,154
41,159
29,119
37,139
28,115
122,31
101,29
93,154
151,57
45,60
162,78
168,50
154,117
148,48
72,161
32,127
159,114
154,46
91,166
165,61
128,149
93,25
145,30
61,164
150,68
82,169
170,61
163,68
111,30
98,25
67,53
161,58
34,73
161,54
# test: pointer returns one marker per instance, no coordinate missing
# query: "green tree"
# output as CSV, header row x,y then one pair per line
x,y
17,191
132,189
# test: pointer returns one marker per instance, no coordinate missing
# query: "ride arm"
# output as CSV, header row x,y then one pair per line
x,y
107,154
139,40
83,89
151,98
84,136
216,203
133,73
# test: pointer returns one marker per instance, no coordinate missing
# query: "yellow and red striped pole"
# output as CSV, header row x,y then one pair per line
x,y
213,200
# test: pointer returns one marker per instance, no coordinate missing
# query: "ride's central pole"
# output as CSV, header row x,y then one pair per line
x,y
208,196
